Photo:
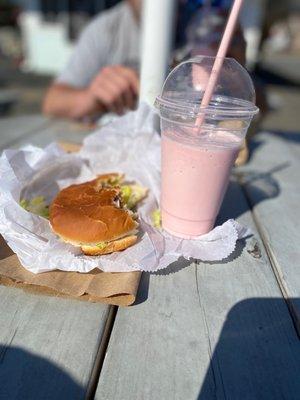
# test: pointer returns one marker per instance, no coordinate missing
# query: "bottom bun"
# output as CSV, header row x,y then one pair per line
x,y
110,247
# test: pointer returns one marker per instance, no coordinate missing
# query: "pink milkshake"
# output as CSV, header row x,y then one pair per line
x,y
200,143
194,181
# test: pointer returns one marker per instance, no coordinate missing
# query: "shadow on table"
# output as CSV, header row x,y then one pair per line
x,y
24,375
257,141
290,136
275,78
257,356
143,290
5,250
174,267
263,186
142,294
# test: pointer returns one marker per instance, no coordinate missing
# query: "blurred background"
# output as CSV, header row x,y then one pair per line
x,y
38,36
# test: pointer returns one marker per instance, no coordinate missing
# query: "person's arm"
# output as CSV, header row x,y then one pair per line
x,y
86,87
114,89
63,100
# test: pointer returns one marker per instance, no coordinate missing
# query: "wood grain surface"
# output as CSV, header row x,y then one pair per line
x,y
272,185
207,331
50,347
198,330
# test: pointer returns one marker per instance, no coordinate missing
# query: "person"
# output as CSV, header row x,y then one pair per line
x,y
101,74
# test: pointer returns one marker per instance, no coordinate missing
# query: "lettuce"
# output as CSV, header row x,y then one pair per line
x,y
132,195
101,245
156,218
37,206
115,180
126,192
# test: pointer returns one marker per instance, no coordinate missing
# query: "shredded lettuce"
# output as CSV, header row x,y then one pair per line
x,y
24,203
115,180
37,206
101,245
156,218
132,195
126,192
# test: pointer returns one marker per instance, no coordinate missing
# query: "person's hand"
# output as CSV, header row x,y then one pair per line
x,y
115,88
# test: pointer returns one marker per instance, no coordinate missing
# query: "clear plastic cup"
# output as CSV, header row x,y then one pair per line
x,y
197,161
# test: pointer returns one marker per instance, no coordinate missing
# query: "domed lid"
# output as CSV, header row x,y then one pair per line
x,y
234,94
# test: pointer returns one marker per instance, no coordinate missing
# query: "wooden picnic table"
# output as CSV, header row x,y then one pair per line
x,y
226,330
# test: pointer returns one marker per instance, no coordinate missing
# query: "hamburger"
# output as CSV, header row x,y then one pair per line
x,y
98,216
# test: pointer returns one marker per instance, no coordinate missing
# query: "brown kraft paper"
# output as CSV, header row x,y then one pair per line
x,y
118,288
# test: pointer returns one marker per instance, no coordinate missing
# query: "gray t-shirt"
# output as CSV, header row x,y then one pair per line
x,y
111,38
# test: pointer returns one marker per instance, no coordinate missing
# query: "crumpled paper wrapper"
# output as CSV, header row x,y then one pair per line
x,y
129,145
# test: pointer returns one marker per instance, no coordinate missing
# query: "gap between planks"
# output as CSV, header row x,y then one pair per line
x,y
99,360
274,264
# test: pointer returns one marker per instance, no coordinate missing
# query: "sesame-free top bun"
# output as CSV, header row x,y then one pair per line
x,y
89,213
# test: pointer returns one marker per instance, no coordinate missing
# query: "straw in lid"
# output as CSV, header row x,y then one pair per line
x,y
183,90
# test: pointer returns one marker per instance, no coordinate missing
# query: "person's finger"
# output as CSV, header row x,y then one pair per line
x,y
103,96
115,98
107,92
130,99
131,76
131,93
126,91
122,83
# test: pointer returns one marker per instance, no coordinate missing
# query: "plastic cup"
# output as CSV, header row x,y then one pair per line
x,y
196,163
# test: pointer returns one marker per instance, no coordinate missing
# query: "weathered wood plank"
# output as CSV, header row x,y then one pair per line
x,y
58,130
211,331
256,349
48,345
14,129
272,185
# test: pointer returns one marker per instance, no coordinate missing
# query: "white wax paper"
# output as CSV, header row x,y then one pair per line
x,y
129,145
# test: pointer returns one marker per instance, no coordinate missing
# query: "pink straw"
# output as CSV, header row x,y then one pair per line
x,y
219,60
